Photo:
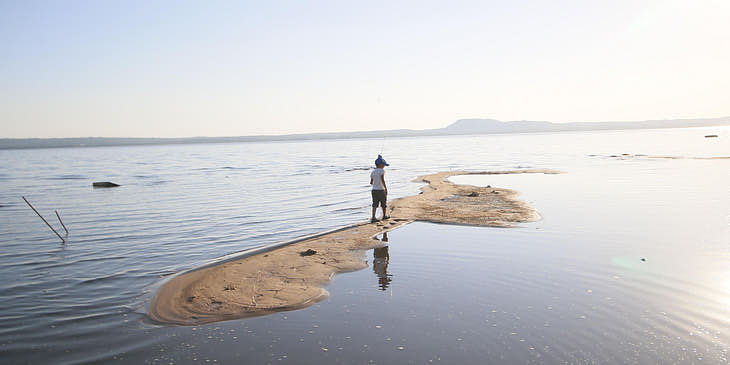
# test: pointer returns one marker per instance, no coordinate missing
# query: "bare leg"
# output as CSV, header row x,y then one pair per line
x,y
385,215
374,209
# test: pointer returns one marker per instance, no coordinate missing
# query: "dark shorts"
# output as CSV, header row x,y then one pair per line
x,y
379,197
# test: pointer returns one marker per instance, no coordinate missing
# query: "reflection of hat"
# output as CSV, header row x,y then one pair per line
x,y
381,161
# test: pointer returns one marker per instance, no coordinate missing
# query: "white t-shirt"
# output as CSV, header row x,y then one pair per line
x,y
377,182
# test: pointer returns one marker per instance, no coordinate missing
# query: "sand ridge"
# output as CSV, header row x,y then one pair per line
x,y
283,279
628,156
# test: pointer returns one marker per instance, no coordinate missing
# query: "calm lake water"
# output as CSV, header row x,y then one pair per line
x,y
571,288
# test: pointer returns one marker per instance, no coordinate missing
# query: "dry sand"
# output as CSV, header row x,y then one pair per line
x,y
283,279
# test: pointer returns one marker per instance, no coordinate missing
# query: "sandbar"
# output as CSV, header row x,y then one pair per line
x,y
283,279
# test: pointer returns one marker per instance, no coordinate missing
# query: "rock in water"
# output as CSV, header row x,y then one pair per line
x,y
711,136
104,184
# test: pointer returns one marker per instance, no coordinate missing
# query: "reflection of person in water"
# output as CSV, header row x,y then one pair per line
x,y
380,264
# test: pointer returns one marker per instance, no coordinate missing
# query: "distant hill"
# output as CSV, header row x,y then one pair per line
x,y
486,126
467,126
462,126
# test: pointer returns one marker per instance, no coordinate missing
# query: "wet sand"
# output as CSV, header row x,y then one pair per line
x,y
284,279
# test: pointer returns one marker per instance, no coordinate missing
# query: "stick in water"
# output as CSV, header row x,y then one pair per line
x,y
62,225
39,214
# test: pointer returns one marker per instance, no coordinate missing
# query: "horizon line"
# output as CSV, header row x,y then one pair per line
x,y
294,134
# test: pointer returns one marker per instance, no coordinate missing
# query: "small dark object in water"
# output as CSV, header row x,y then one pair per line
x,y
489,186
711,136
474,194
643,259
308,252
104,184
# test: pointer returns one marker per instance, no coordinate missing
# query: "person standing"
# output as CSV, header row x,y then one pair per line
x,y
380,190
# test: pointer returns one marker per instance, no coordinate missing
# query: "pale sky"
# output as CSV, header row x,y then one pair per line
x,y
229,68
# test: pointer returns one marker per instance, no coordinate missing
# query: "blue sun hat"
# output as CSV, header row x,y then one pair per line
x,y
381,161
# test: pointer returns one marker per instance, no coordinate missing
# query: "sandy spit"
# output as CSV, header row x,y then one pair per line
x,y
283,279
691,158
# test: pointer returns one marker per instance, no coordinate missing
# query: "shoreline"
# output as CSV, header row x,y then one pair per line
x,y
278,278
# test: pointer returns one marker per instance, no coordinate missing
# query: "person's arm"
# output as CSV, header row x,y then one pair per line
x,y
371,181
382,179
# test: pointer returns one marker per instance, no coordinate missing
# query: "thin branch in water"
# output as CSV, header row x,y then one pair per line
x,y
44,220
62,225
